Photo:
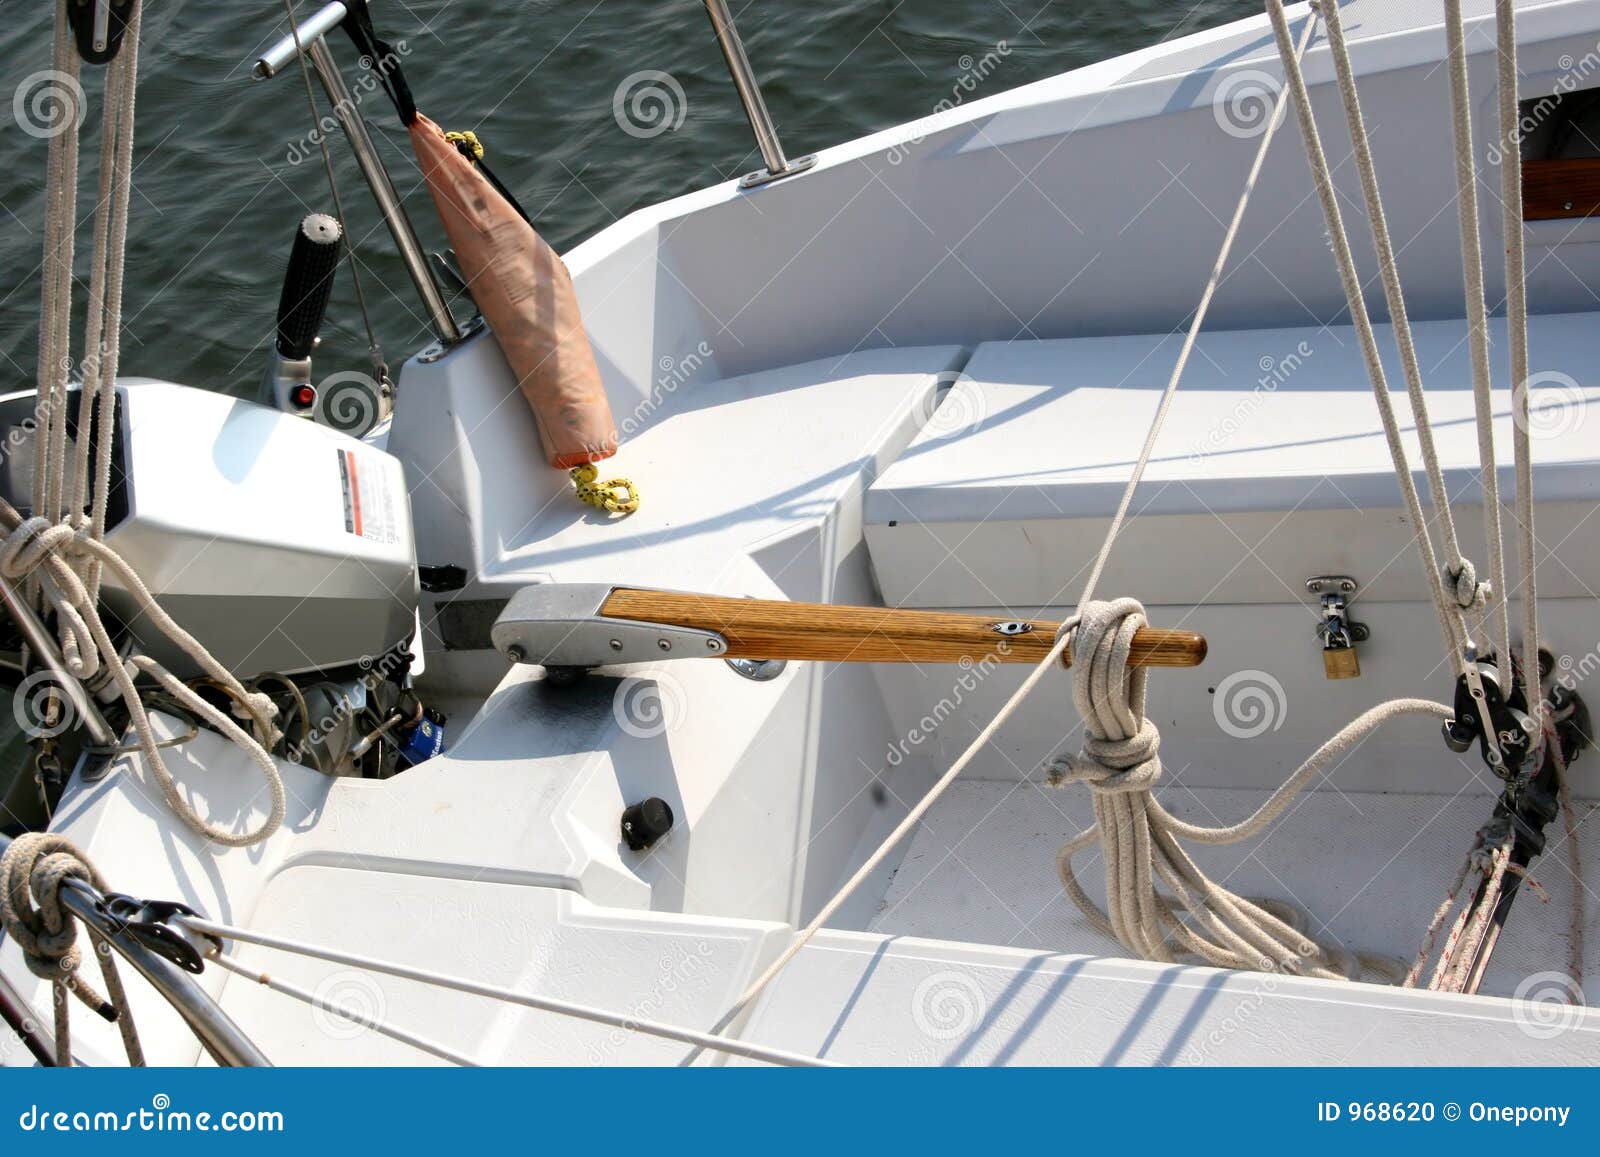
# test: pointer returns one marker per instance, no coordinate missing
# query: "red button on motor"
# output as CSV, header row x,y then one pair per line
x,y
303,396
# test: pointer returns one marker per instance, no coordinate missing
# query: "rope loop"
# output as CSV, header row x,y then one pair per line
x,y
65,549
59,547
467,141
32,873
1159,903
615,495
1462,579
1120,745
31,543
1115,766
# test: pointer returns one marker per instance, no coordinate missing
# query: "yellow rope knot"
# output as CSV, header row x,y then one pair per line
x,y
468,138
617,495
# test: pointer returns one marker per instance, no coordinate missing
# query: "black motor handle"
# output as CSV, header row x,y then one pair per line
x,y
308,284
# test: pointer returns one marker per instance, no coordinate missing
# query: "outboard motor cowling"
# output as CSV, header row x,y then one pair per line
x,y
281,545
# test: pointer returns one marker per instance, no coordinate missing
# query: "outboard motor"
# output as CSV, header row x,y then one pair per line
x,y
279,544
284,547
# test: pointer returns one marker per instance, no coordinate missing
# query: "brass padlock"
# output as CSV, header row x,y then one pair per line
x,y
1341,663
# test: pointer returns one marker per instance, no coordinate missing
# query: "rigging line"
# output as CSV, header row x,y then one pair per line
x,y
104,351
345,1012
1517,341
624,1021
55,300
90,365
1450,623
374,348
1064,639
1394,298
1477,326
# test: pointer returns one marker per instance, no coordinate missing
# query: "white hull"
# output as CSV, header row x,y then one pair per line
x,y
778,355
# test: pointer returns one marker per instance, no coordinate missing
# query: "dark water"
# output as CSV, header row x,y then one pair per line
x,y
218,189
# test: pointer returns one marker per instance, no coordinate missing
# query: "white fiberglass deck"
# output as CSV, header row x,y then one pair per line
x,y
770,354
1010,488
1367,867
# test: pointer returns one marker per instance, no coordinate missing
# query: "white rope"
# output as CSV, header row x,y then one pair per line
x,y
58,551
618,1020
1431,933
1204,306
102,344
1486,866
1477,323
36,545
55,298
1445,604
1464,589
1517,343
34,869
1120,764
1460,955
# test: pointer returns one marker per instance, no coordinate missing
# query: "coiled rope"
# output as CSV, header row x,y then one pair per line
x,y
1119,761
61,551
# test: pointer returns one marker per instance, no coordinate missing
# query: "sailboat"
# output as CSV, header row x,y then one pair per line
x,y
1103,574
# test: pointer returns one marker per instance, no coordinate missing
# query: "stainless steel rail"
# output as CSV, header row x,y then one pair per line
x,y
755,107
282,54
309,37
215,1029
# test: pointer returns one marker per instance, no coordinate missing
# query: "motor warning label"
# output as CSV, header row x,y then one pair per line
x,y
369,505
